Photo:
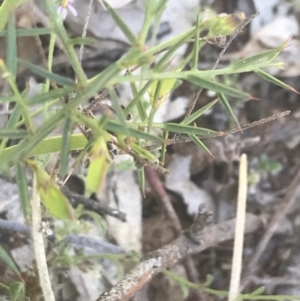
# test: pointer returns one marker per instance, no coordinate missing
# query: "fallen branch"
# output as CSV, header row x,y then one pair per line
x,y
89,204
98,245
196,239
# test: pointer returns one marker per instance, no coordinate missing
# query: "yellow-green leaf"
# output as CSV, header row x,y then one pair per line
x,y
143,153
99,164
166,86
53,199
96,173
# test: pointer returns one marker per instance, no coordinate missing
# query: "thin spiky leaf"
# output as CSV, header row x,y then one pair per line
x,y
228,107
23,189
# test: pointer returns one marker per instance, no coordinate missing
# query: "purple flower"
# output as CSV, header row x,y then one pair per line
x,y
64,7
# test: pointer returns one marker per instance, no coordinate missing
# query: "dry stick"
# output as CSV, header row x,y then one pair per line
x,y
239,231
38,244
184,139
84,31
193,241
98,245
235,130
282,211
89,204
232,37
159,189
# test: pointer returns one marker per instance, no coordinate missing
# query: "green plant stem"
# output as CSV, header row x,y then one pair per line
x,y
18,97
137,99
154,105
185,74
164,148
50,61
61,32
196,45
145,27
163,46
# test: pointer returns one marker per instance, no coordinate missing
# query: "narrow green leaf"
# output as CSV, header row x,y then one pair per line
x,y
18,97
9,261
11,50
65,147
17,291
137,98
272,79
13,133
12,121
161,6
28,32
198,113
196,44
141,178
139,104
185,129
51,145
135,57
187,35
217,87
63,81
23,190
227,105
51,95
118,110
164,148
198,142
165,60
263,57
115,127
122,25
154,100
9,98
60,30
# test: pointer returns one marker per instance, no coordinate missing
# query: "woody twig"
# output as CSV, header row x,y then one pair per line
x,y
195,240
